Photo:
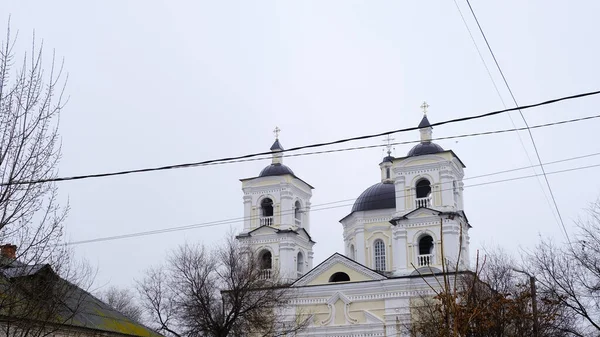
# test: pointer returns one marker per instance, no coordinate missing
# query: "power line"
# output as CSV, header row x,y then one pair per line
x,y
537,153
241,219
475,134
504,105
314,145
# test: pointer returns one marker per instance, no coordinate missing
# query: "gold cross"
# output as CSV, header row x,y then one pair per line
x,y
424,106
276,132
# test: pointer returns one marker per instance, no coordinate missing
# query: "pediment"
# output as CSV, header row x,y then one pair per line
x,y
422,212
263,230
338,263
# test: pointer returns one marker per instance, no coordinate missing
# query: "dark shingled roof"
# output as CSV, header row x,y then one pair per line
x,y
378,196
424,123
276,146
275,170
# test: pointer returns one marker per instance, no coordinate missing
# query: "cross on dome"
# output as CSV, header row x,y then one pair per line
x,y
276,132
424,106
388,144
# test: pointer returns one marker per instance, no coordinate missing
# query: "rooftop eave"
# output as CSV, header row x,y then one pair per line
x,y
283,175
446,151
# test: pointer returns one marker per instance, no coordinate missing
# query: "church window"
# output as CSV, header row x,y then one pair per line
x,y
300,263
426,245
265,260
387,173
425,251
352,253
266,207
298,213
423,188
266,212
339,277
379,249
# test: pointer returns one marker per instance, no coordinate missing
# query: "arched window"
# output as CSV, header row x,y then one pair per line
x,y
300,263
339,277
426,245
266,207
387,173
266,212
265,260
351,252
298,213
425,257
423,188
379,249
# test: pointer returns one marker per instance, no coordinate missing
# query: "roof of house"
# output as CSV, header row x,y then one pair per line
x,y
79,309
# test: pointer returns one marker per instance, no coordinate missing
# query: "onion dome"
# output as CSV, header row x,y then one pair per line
x,y
275,170
378,196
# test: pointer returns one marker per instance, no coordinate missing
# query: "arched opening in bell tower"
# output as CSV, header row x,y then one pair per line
x,y
298,213
425,257
265,263
266,212
300,264
423,189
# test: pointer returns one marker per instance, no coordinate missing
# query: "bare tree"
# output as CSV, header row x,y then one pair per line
x,y
38,274
572,272
124,301
491,300
218,293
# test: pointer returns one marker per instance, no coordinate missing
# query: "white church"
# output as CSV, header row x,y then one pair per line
x,y
393,239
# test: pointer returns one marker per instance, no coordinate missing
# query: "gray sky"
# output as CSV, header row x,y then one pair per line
x,y
163,82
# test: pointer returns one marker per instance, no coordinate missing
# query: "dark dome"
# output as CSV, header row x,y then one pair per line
x,y
275,170
378,196
388,159
424,148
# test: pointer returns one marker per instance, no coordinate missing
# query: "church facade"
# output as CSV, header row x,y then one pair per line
x,y
397,236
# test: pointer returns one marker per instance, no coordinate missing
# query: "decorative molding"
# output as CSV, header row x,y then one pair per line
x,y
331,304
335,259
371,318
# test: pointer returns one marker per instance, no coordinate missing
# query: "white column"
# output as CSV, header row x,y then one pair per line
x,y
247,212
399,242
446,189
306,216
359,234
400,186
286,208
287,260
451,240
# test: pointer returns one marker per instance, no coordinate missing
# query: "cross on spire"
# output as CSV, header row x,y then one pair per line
x,y
424,106
276,132
388,144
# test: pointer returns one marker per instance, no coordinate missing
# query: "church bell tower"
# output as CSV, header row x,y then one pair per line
x,y
277,219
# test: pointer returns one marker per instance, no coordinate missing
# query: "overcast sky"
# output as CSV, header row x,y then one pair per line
x,y
163,82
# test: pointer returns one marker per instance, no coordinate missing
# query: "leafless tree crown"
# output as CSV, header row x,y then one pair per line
x,y
219,292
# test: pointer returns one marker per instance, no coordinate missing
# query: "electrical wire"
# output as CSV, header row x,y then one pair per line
x,y
537,153
485,133
315,145
504,105
242,219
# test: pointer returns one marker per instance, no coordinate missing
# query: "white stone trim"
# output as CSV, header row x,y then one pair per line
x,y
335,259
